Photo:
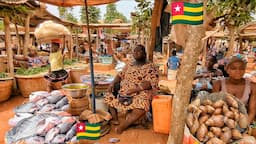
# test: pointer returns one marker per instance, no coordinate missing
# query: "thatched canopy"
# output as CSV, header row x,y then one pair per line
x,y
68,3
248,30
13,1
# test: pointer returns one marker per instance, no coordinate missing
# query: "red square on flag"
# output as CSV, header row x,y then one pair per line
x,y
80,127
177,8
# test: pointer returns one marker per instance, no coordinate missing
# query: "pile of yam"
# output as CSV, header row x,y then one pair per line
x,y
216,122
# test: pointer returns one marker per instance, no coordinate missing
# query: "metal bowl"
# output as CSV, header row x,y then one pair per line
x,y
75,90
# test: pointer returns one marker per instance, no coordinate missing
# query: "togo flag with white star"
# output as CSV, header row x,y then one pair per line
x,y
85,130
187,13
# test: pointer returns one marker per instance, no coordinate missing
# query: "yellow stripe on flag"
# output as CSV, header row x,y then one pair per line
x,y
88,134
92,128
189,18
190,9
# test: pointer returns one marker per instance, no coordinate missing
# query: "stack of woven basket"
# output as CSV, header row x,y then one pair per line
x,y
78,105
77,98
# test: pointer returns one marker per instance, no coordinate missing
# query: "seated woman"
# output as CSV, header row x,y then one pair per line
x,y
32,60
236,85
138,83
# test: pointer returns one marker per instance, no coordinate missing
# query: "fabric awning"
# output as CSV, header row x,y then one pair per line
x,y
68,3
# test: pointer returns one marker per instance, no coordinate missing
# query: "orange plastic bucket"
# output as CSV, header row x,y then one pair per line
x,y
162,108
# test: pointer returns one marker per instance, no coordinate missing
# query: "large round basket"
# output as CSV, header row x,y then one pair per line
x,y
29,84
76,73
5,88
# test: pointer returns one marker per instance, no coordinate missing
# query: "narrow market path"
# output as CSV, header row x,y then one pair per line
x,y
6,112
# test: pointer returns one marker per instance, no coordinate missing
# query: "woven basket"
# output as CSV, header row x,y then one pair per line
x,y
76,73
78,102
5,89
29,84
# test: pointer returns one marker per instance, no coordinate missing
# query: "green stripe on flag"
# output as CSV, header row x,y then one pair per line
x,y
193,13
85,137
92,131
93,125
187,22
193,5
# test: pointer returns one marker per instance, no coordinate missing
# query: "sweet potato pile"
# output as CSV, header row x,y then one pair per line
x,y
216,122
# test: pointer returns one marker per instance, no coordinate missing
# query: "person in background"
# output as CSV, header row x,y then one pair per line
x,y
173,64
57,72
102,50
30,61
238,86
138,82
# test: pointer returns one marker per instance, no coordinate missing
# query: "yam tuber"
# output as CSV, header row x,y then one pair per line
x,y
218,104
210,134
236,116
215,120
203,109
231,101
189,120
230,123
225,108
216,131
215,141
226,136
217,111
210,109
207,102
195,126
229,114
236,134
243,121
201,132
203,119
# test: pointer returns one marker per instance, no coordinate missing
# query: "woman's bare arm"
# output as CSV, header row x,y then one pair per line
x,y
216,87
252,103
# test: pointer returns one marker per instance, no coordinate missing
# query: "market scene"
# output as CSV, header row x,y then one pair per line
x,y
127,71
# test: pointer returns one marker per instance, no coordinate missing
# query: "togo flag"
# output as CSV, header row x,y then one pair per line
x,y
187,13
85,130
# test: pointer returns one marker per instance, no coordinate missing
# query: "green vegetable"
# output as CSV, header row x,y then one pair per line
x,y
69,62
32,71
3,75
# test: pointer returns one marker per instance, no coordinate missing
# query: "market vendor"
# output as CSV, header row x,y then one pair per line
x,y
32,60
138,83
56,70
236,85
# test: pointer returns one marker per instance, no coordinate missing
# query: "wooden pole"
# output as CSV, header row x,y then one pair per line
x,y
8,47
184,83
18,38
26,41
154,22
232,41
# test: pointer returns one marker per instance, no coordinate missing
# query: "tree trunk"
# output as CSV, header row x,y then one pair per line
x,y
8,47
232,40
154,22
184,83
18,38
26,41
